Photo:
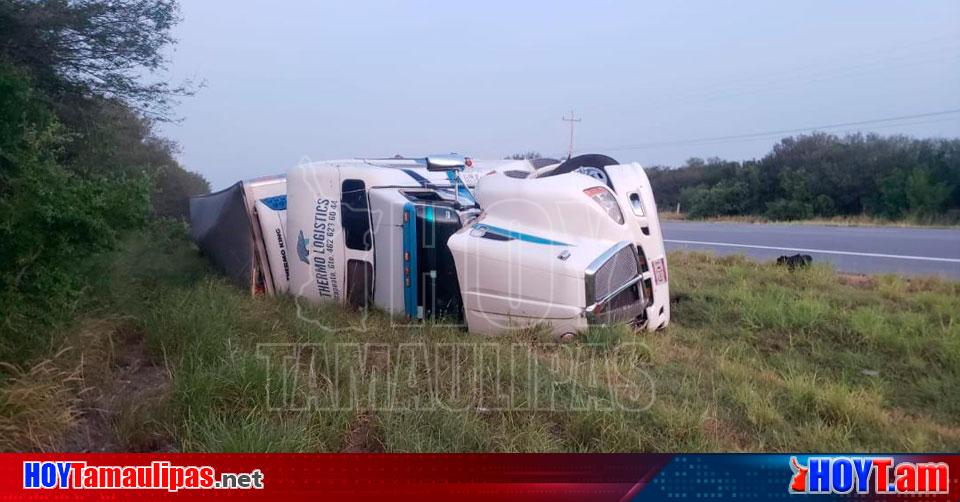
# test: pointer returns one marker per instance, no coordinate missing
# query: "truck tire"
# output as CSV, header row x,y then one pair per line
x,y
590,164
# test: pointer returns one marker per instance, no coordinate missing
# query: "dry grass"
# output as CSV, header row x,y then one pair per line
x,y
38,406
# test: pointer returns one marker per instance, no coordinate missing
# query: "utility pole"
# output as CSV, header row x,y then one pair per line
x,y
573,120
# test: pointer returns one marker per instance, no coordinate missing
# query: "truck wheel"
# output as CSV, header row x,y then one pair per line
x,y
590,164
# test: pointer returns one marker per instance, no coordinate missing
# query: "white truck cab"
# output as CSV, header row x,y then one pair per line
x,y
577,243
494,245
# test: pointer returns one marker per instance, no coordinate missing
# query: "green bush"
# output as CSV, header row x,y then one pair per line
x,y
724,199
823,205
786,210
51,219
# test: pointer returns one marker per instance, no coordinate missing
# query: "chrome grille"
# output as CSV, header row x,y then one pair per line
x,y
615,272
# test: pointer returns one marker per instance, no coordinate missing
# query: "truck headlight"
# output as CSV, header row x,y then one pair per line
x,y
607,201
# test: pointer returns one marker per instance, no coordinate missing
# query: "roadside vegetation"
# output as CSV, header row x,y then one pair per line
x,y
163,355
80,162
819,176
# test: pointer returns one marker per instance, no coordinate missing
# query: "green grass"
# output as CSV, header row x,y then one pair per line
x,y
757,358
943,221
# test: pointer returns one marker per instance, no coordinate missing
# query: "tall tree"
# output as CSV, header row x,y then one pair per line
x,y
88,58
84,48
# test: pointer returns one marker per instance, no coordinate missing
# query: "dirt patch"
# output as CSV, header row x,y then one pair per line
x,y
773,342
377,358
364,436
933,284
857,280
120,408
723,433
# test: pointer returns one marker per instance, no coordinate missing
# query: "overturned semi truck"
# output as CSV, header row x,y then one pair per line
x,y
492,245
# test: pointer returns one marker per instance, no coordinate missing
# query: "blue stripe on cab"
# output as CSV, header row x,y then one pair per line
x,y
520,236
416,177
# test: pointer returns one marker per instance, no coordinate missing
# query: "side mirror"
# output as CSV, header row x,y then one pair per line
x,y
445,163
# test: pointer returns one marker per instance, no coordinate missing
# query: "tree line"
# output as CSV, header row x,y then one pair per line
x,y
822,175
81,161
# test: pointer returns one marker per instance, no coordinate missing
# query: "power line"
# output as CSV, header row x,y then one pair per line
x,y
757,135
800,76
785,83
915,122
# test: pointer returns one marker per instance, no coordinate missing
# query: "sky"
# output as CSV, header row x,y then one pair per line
x,y
293,80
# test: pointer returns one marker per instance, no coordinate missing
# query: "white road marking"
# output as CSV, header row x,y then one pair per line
x,y
820,251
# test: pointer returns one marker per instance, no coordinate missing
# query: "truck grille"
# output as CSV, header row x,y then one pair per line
x,y
617,271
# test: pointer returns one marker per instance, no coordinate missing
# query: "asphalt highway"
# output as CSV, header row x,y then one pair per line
x,y
869,250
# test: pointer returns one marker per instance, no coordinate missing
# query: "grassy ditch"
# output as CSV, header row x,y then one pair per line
x,y
944,221
167,356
